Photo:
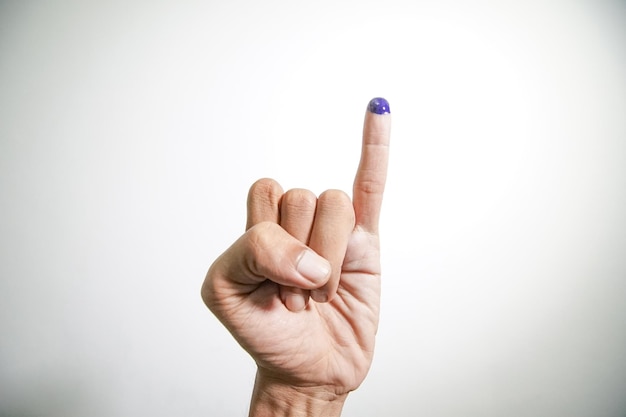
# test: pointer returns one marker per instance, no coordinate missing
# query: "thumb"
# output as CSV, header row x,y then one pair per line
x,y
265,252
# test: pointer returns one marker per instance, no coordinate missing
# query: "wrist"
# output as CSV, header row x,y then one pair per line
x,y
275,398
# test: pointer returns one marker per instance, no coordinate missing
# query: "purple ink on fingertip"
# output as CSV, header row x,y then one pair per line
x,y
378,105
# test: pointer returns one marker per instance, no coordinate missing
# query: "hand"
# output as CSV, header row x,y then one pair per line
x,y
300,290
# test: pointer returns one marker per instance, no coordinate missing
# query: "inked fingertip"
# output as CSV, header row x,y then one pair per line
x,y
378,105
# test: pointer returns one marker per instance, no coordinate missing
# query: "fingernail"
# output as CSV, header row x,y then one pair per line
x,y
378,105
313,267
295,302
319,296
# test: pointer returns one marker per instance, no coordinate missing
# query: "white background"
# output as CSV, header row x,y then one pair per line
x,y
130,132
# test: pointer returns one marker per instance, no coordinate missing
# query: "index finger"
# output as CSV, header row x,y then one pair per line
x,y
369,183
264,202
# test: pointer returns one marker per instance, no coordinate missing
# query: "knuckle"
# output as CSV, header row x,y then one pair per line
x,y
338,202
265,189
255,244
299,200
335,197
257,236
371,186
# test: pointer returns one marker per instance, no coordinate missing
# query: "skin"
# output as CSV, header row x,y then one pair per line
x,y
300,289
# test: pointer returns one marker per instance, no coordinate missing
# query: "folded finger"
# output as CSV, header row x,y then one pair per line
x,y
334,223
263,202
297,211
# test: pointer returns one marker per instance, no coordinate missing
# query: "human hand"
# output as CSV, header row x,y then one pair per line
x,y
300,289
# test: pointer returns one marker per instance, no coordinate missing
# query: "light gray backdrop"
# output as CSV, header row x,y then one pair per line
x,y
131,130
